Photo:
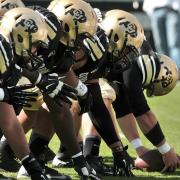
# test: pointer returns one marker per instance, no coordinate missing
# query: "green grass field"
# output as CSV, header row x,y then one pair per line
x,y
167,109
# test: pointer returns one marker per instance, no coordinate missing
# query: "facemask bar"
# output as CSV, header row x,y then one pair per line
x,y
33,61
122,60
150,90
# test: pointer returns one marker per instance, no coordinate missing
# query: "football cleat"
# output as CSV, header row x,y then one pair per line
x,y
51,174
62,160
122,164
84,170
98,165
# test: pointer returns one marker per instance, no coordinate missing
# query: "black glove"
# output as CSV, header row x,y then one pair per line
x,y
52,85
16,95
13,75
122,166
85,102
84,170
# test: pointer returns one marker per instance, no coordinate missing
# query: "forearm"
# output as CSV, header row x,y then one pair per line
x,y
71,78
146,121
128,126
32,76
153,132
75,82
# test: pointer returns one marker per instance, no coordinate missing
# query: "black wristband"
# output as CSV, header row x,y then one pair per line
x,y
155,135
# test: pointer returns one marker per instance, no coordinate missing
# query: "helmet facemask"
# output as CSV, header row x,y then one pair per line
x,y
123,59
33,60
150,90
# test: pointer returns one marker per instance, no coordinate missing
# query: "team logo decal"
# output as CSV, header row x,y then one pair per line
x,y
131,29
29,25
167,80
78,15
10,6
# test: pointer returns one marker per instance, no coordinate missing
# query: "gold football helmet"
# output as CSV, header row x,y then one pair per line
x,y
167,77
6,5
26,29
123,29
78,20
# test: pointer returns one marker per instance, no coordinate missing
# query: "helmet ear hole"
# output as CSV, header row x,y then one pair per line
x,y
66,27
19,38
116,38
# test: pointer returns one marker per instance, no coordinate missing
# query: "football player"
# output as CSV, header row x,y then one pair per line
x,y
9,74
151,71
23,41
89,66
147,121
61,63
4,7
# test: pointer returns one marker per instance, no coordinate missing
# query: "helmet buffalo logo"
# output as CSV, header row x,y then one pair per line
x,y
131,28
78,15
10,5
29,25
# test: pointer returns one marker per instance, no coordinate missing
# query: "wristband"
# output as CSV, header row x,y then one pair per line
x,y
136,143
1,94
81,89
155,135
163,149
38,79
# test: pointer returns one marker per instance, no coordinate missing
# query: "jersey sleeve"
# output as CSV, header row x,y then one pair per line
x,y
6,55
97,48
132,80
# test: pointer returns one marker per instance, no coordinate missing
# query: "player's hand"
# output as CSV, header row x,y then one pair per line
x,y
171,161
16,95
52,85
